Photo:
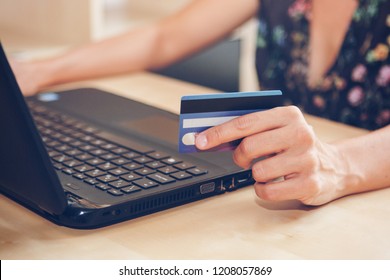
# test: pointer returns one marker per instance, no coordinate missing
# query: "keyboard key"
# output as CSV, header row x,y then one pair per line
x,y
155,165
107,178
68,121
88,138
145,183
119,184
95,161
131,155
171,160
120,151
181,175
68,131
98,152
109,156
77,143
87,148
144,171
118,171
184,165
158,155
56,135
36,108
107,166
72,163
66,139
95,173
84,157
102,187
79,125
160,178
120,161
58,166
83,168
91,181
168,170
197,171
90,129
130,189
98,142
109,146
44,122
73,152
132,166
61,158
53,154
52,144
115,192
62,148
68,171
130,177
74,133
80,176
142,160
46,140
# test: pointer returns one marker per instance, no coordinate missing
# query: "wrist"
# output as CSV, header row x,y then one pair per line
x,y
353,176
46,73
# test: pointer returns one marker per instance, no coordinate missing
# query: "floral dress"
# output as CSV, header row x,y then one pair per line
x,y
355,90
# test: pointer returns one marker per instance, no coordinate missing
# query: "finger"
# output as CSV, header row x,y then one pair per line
x,y
281,165
308,190
247,125
296,138
280,191
263,144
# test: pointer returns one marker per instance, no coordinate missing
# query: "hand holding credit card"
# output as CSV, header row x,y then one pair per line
x,y
200,112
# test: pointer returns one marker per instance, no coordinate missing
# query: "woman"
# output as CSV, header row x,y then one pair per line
x,y
330,58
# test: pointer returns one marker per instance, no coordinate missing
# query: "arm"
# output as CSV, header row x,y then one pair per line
x,y
368,155
314,172
198,25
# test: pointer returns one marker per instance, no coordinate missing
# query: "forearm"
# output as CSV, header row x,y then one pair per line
x,y
367,159
196,26
125,53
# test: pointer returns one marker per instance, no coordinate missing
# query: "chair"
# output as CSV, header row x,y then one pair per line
x,y
217,67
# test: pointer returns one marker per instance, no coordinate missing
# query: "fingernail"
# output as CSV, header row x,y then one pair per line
x,y
201,141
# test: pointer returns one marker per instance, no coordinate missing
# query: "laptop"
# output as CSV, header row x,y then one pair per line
x,y
85,158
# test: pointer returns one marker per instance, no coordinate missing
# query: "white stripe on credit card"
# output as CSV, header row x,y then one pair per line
x,y
206,122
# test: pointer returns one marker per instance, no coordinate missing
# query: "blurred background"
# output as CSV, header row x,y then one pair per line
x,y
31,27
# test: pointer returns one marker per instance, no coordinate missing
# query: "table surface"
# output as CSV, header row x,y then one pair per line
x,y
234,225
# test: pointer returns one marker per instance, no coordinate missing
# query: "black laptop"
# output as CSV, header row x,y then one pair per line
x,y
85,158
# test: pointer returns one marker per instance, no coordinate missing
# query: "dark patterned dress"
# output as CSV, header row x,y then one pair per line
x,y
355,90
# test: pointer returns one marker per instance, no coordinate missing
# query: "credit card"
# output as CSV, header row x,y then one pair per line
x,y
200,112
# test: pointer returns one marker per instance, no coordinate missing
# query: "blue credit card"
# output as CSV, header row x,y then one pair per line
x,y
200,112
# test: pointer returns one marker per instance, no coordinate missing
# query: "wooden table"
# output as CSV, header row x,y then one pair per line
x,y
235,225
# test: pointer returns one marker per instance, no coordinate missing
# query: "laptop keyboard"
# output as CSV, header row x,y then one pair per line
x,y
79,150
